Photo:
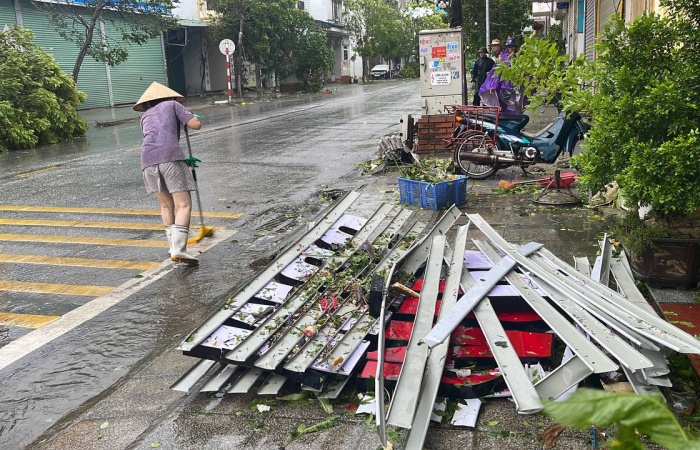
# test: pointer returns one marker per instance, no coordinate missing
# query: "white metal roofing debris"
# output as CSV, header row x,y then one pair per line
x,y
574,302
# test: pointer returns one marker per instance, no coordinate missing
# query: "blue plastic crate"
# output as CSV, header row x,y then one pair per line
x,y
433,196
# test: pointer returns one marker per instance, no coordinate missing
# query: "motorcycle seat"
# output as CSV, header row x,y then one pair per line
x,y
521,119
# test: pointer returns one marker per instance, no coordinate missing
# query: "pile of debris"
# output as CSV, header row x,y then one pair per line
x,y
474,323
305,317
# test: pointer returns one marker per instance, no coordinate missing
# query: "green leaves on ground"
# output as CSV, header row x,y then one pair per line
x,y
633,415
37,99
324,425
326,405
432,170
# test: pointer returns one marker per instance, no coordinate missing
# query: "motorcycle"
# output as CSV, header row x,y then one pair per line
x,y
485,141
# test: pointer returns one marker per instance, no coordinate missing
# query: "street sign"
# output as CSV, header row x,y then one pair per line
x,y
227,47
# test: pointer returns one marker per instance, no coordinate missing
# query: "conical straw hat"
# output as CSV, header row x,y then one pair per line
x,y
157,91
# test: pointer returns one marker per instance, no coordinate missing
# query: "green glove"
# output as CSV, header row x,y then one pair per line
x,y
192,161
198,117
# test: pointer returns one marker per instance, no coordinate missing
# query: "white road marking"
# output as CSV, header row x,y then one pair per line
x,y
34,340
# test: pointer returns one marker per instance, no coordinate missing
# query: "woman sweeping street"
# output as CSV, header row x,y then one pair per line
x,y
164,165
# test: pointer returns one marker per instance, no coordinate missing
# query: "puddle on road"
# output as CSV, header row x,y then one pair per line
x,y
51,382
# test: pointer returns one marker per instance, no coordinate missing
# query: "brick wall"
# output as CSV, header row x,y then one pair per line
x,y
431,131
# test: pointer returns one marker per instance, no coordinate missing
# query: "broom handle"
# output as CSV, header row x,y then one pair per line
x,y
194,175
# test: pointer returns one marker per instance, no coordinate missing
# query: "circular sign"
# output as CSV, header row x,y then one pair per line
x,y
227,46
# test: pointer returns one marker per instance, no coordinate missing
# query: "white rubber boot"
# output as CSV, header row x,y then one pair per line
x,y
168,234
178,248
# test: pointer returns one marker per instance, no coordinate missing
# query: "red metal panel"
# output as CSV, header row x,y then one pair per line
x,y
506,312
470,380
526,344
391,370
410,306
399,331
391,354
418,285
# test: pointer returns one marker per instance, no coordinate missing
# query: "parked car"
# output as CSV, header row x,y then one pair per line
x,y
380,71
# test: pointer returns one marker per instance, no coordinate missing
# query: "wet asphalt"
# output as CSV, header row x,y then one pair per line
x,y
105,384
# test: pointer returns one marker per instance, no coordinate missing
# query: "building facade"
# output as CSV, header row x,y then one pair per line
x,y
329,16
583,21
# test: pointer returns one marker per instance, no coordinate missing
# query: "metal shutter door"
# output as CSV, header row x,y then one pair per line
x,y
143,66
7,14
92,78
607,8
590,27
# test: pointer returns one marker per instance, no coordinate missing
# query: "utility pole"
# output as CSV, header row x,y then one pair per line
x,y
239,70
488,25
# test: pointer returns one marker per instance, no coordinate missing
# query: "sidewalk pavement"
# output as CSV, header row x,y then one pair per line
x,y
109,116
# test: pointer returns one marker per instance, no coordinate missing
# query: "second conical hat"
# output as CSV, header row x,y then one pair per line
x,y
156,91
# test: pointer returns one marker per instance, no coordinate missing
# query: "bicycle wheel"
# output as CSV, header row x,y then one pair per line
x,y
474,142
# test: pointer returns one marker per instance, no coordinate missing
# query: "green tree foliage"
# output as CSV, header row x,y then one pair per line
x,y
276,37
136,22
37,100
507,18
647,114
555,35
633,415
544,72
378,28
642,95
313,60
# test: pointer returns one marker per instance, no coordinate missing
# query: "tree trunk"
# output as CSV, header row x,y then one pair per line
x,y
89,32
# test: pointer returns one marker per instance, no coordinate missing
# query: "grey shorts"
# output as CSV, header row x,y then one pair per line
x,y
168,177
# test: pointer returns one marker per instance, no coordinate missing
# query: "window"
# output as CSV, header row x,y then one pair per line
x,y
300,4
337,10
345,52
581,9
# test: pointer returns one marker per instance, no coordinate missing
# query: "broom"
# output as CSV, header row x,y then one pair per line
x,y
204,231
566,179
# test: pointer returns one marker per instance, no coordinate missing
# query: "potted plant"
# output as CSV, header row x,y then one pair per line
x,y
642,94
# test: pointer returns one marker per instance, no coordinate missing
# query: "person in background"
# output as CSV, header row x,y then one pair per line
x,y
495,92
164,165
496,50
482,66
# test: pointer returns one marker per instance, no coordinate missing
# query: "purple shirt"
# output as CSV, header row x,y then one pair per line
x,y
160,125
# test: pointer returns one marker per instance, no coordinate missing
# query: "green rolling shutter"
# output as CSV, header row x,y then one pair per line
x,y
92,78
129,79
143,66
7,14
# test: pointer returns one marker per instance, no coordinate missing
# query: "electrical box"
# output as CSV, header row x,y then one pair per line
x,y
441,70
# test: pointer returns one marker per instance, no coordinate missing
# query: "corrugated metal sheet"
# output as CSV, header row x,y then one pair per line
x,y
590,29
7,13
129,79
607,8
92,78
143,66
